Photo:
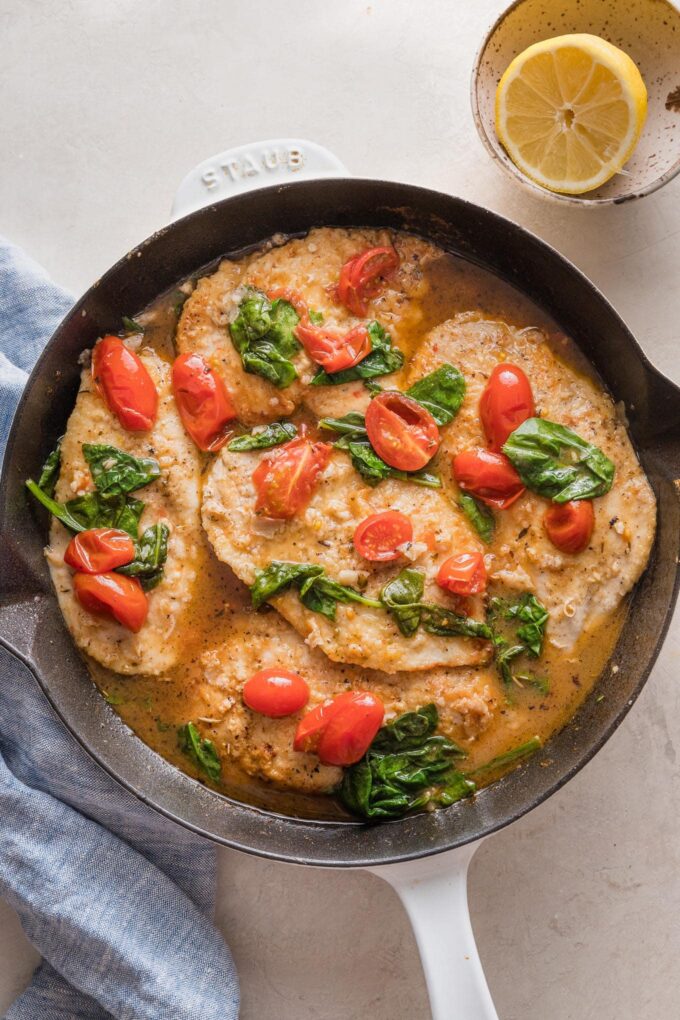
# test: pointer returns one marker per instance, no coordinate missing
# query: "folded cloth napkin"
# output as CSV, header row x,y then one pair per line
x,y
115,897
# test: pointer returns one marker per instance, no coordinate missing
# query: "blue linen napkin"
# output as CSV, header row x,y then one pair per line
x,y
114,896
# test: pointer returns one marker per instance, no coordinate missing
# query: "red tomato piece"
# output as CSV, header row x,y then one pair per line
x,y
351,725
311,726
377,537
113,595
569,526
285,478
401,431
360,277
489,476
98,550
121,378
203,402
506,402
464,574
275,692
331,350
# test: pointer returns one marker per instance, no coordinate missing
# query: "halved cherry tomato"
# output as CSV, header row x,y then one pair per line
x,y
285,478
275,692
121,378
331,350
310,727
489,476
464,574
293,297
113,595
203,402
98,550
569,526
401,431
377,538
341,731
360,277
506,402
352,724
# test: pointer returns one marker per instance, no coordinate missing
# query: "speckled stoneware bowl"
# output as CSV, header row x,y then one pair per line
x,y
648,30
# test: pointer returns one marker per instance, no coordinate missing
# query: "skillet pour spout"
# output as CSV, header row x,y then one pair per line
x,y
31,625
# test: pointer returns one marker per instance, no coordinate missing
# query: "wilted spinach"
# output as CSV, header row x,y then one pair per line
x,y
402,597
406,767
554,462
530,618
274,434
263,334
317,592
441,393
479,515
151,552
50,470
115,472
131,326
201,751
382,360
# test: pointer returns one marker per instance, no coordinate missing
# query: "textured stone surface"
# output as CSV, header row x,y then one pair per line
x,y
106,107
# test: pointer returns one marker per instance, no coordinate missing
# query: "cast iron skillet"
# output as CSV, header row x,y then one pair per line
x,y
30,621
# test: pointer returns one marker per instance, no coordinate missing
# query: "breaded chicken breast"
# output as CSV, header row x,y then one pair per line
x,y
578,590
173,498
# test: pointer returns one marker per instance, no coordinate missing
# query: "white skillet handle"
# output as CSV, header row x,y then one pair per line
x,y
434,893
247,167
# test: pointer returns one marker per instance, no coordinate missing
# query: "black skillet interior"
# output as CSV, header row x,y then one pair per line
x,y
30,621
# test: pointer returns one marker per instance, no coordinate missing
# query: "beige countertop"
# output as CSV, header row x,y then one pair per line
x,y
105,107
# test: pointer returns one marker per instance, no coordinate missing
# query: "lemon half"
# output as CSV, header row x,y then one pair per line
x,y
569,111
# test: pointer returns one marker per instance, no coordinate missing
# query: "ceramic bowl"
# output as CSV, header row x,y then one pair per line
x,y
648,30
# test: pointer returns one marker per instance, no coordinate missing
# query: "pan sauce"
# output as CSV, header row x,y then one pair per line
x,y
154,707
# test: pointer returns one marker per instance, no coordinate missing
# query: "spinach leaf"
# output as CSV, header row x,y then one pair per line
x,y
50,471
438,619
405,768
534,618
554,462
503,657
263,334
441,393
278,577
531,614
93,510
317,592
408,730
352,424
501,760
402,599
115,472
382,360
151,552
354,440
321,595
541,683
479,515
530,618
274,434
131,327
201,751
